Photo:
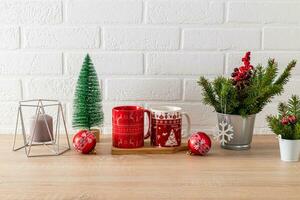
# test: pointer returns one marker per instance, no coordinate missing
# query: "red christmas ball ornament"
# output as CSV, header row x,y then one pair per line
x,y
84,141
199,143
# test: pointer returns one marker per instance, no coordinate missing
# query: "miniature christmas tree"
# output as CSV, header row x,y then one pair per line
x,y
87,103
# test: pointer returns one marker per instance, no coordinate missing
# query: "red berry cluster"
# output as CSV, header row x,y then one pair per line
x,y
241,75
291,119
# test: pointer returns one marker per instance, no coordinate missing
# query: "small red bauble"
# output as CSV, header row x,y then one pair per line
x,y
84,141
292,119
199,144
285,121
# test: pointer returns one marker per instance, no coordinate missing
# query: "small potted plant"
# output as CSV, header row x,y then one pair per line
x,y
287,126
87,105
239,98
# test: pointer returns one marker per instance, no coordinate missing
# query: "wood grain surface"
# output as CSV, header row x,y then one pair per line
x,y
148,149
223,174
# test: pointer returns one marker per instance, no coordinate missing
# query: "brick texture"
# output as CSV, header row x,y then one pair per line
x,y
185,63
30,64
146,52
141,38
9,37
104,12
61,37
184,12
108,63
264,12
281,38
50,88
30,12
221,39
143,89
10,89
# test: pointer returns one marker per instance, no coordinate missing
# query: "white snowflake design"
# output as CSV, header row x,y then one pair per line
x,y
224,132
199,144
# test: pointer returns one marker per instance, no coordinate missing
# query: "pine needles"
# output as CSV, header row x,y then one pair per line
x,y
287,123
263,85
87,102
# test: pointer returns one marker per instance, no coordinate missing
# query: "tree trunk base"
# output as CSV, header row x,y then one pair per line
x,y
96,133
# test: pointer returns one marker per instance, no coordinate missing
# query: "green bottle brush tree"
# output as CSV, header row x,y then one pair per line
x,y
87,107
248,90
286,123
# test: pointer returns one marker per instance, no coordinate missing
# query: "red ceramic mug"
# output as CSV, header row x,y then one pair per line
x,y
166,126
128,126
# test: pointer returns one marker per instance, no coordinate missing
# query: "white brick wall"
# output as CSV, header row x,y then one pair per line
x,y
108,63
10,89
104,11
263,12
49,88
143,89
9,37
30,12
141,38
221,39
185,63
184,12
146,52
281,38
25,63
61,37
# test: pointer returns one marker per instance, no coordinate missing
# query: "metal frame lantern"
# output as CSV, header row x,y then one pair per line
x,y
54,146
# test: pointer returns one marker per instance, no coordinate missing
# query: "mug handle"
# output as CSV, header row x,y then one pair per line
x,y
188,129
149,124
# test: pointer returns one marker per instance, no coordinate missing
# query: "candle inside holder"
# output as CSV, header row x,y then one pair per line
x,y
41,130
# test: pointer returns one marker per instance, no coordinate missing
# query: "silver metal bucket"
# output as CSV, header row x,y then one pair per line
x,y
242,130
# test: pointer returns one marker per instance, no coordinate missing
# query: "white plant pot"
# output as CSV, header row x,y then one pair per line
x,y
289,149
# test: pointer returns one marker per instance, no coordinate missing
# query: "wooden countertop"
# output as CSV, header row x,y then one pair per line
x,y
223,174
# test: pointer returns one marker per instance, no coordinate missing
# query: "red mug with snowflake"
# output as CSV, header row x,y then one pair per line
x,y
166,126
128,126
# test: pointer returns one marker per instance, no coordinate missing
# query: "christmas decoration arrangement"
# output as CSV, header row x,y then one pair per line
x,y
286,125
87,106
42,139
199,144
239,98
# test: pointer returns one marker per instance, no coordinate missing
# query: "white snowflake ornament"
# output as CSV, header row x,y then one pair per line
x,y
224,132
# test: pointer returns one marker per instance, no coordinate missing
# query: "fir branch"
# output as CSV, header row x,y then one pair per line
x,y
270,72
282,109
227,96
284,77
290,130
274,124
208,93
294,105
297,132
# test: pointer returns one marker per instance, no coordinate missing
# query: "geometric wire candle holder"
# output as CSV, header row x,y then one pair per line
x,y
53,146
